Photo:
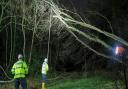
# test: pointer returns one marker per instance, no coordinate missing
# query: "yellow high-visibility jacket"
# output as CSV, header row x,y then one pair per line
x,y
19,69
45,68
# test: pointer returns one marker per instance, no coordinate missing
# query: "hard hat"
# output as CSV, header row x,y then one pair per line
x,y
20,56
45,60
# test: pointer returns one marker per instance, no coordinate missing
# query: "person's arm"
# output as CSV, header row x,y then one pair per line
x,y
13,69
47,67
42,68
25,67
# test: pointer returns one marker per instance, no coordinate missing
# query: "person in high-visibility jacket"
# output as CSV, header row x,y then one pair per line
x,y
20,70
45,68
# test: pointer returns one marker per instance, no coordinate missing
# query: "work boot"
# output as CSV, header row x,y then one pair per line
x,y
43,85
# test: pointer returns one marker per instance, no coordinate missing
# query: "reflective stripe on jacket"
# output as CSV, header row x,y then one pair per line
x,y
45,68
19,69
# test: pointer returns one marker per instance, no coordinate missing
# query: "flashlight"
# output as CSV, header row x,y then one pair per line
x,y
119,50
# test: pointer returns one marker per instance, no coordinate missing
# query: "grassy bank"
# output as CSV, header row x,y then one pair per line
x,y
91,82
96,82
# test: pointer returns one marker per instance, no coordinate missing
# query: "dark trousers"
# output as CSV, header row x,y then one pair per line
x,y
44,78
22,82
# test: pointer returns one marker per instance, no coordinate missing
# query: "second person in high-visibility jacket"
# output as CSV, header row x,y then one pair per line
x,y
20,70
44,71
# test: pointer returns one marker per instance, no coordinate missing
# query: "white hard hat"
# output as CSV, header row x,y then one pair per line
x,y
20,56
45,60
